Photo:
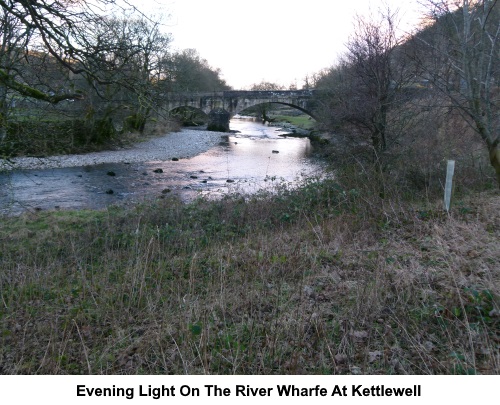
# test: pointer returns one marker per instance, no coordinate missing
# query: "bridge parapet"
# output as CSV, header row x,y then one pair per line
x,y
260,94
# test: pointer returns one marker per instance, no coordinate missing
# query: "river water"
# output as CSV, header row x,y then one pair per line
x,y
256,157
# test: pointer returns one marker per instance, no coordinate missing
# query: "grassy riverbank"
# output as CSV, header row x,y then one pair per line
x,y
333,278
300,121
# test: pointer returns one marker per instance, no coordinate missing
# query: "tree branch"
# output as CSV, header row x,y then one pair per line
x,y
29,91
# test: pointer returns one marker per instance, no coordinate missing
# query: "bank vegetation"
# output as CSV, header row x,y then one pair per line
x,y
337,277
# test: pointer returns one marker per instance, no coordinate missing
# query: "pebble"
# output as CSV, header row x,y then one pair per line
x,y
185,143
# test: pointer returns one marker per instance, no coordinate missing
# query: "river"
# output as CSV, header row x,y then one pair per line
x,y
256,157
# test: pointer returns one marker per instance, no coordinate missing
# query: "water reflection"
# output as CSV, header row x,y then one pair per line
x,y
251,159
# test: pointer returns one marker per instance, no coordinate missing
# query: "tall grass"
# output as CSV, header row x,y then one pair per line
x,y
335,277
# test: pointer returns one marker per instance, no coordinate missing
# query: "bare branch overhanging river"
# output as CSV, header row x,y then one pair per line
x,y
254,158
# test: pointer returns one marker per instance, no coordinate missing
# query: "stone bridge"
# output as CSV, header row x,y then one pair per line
x,y
222,105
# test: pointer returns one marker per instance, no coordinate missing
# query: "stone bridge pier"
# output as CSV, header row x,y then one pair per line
x,y
221,106
218,120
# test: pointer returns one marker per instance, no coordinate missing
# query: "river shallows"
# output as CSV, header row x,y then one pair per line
x,y
256,157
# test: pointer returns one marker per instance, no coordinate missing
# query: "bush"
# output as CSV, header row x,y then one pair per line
x,y
40,138
135,122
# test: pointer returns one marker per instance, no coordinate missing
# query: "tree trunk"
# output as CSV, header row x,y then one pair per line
x,y
4,110
495,159
379,140
3,133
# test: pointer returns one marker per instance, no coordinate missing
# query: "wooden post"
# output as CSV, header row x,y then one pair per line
x,y
448,188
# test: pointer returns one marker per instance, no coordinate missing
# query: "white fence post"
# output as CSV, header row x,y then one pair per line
x,y
448,188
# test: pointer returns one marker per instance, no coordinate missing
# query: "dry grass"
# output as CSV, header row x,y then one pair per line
x,y
321,280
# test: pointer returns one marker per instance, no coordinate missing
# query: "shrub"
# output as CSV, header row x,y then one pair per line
x,y
35,137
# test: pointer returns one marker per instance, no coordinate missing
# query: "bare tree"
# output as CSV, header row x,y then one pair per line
x,y
113,60
64,28
133,68
369,81
459,54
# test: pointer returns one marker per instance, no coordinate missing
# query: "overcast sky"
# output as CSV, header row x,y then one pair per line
x,y
278,41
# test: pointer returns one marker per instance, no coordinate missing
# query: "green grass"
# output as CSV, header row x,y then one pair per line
x,y
301,121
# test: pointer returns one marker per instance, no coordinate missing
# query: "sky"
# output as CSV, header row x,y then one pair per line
x,y
278,41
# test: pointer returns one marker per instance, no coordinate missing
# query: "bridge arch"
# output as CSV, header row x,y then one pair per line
x,y
189,115
297,107
234,102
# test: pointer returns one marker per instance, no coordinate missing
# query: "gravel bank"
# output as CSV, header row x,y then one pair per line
x,y
184,144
